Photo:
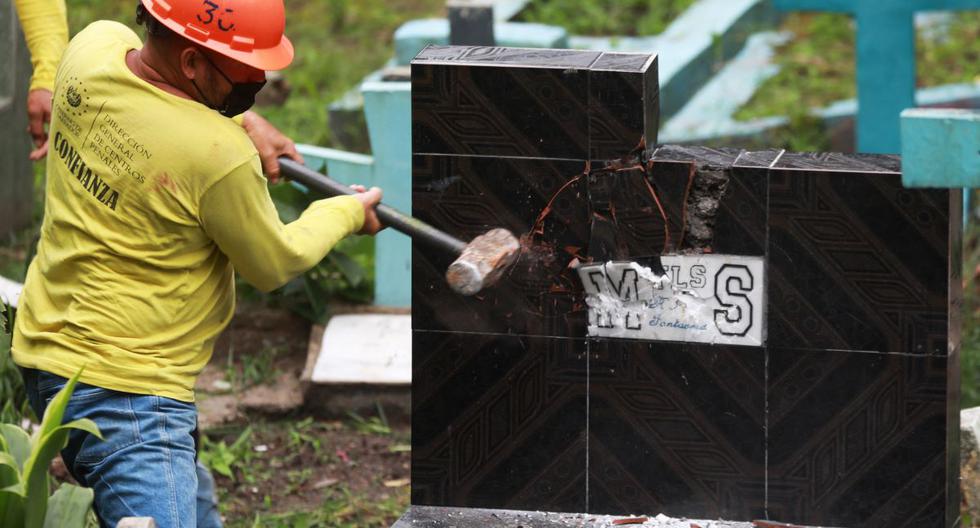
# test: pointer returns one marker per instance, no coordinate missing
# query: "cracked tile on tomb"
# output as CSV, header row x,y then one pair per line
x,y
624,104
635,217
542,201
676,428
629,209
742,222
857,262
859,439
737,226
498,421
493,110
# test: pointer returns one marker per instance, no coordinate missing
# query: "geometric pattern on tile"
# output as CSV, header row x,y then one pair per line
x,y
678,429
467,196
498,421
857,439
857,262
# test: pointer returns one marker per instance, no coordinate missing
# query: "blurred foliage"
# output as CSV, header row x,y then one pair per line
x,y
952,56
606,17
13,399
25,485
970,344
817,67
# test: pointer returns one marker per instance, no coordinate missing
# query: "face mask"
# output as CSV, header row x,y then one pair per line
x,y
239,99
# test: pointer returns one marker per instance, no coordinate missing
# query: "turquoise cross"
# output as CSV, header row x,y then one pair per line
x,y
885,60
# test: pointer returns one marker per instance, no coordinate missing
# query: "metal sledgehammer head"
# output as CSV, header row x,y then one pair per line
x,y
483,261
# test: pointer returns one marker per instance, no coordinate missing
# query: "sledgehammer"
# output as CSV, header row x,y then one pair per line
x,y
478,264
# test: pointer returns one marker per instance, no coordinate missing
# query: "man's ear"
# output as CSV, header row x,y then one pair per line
x,y
189,61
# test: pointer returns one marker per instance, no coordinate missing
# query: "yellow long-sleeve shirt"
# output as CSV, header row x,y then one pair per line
x,y
152,200
45,26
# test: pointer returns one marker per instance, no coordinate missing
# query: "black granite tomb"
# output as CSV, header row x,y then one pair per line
x,y
844,414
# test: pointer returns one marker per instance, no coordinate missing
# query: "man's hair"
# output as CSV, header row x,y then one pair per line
x,y
154,28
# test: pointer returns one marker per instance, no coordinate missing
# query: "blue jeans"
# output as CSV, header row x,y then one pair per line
x,y
145,466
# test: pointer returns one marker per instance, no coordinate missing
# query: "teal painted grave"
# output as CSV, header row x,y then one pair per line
x,y
387,108
941,147
885,60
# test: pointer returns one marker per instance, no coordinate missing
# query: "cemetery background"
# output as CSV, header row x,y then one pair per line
x,y
352,472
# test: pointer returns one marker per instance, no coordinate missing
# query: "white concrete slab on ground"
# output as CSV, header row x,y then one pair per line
x,y
366,349
10,291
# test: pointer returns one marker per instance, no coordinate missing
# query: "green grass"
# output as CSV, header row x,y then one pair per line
x,y
818,65
278,485
340,509
970,344
606,17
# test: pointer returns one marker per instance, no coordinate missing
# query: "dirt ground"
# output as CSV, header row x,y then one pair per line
x,y
275,465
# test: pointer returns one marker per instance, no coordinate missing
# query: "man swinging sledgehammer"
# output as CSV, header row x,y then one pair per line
x,y
154,198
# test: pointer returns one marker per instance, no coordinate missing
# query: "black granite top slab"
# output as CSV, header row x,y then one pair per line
x,y
706,157
838,162
758,158
624,62
508,57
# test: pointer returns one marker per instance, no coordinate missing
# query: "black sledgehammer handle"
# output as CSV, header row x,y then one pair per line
x,y
389,216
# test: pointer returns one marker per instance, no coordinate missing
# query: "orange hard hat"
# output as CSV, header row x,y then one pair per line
x,y
249,31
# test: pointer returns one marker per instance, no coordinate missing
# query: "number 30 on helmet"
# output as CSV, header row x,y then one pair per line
x,y
249,31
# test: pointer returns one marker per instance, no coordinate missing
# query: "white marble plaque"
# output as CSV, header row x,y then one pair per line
x,y
366,348
699,298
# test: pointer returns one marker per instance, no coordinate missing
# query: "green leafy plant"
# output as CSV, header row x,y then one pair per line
x,y
970,346
223,458
252,369
24,461
606,17
14,406
340,509
377,425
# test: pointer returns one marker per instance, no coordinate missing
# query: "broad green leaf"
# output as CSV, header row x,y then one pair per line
x,y
36,469
9,472
68,507
84,424
55,413
18,443
48,440
11,509
352,271
10,501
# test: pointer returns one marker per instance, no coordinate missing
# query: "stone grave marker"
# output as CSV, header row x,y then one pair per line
x,y
885,61
470,22
702,333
